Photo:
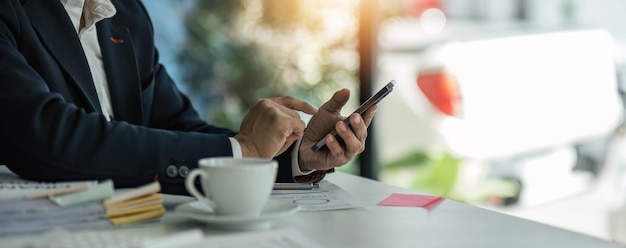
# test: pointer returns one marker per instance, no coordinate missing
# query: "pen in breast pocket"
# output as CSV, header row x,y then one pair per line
x,y
295,186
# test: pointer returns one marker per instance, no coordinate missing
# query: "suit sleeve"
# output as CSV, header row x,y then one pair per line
x,y
46,137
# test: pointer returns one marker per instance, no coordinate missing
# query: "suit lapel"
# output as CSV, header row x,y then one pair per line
x,y
121,70
60,38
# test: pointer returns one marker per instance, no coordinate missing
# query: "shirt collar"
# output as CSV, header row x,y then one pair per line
x,y
92,11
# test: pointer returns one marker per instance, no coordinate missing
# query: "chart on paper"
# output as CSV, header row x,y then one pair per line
x,y
327,197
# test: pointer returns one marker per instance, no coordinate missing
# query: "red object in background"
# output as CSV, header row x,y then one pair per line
x,y
442,91
416,7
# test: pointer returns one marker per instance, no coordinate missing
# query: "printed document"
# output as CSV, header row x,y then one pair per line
x,y
327,197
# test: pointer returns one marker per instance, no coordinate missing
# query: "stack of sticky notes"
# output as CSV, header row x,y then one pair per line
x,y
120,207
136,205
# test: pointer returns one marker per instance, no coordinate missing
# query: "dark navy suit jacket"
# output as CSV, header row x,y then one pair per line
x,y
51,127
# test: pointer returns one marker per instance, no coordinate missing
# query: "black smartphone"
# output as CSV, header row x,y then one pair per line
x,y
373,100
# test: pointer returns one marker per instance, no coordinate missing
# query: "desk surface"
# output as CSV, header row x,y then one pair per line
x,y
448,224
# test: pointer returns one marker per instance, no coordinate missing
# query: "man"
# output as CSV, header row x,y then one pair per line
x,y
83,97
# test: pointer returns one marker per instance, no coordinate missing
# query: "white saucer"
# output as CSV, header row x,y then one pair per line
x,y
274,209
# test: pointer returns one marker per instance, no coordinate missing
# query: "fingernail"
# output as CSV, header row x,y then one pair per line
x,y
356,119
330,139
342,127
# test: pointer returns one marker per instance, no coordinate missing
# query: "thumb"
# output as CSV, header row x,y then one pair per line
x,y
339,99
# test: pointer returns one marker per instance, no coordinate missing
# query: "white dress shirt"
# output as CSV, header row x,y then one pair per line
x,y
91,12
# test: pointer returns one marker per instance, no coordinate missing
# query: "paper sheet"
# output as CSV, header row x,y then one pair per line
x,y
21,216
282,238
327,197
11,186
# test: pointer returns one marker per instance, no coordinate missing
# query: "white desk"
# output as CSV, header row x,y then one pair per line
x,y
448,224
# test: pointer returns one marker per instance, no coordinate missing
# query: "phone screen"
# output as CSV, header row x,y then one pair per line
x,y
373,100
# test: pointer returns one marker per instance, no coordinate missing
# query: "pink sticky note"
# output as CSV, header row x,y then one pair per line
x,y
409,200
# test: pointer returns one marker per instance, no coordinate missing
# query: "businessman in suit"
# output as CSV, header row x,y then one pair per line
x,y
84,97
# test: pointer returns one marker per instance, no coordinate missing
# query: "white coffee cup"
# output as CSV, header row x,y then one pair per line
x,y
233,186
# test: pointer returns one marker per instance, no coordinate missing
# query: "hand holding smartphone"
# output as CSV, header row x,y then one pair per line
x,y
373,100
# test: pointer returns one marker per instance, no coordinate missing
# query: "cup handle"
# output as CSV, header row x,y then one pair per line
x,y
191,187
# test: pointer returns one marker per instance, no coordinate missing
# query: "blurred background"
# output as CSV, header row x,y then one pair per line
x,y
512,105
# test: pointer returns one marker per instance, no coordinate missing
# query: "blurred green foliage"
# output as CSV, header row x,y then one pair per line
x,y
439,173
431,173
238,51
